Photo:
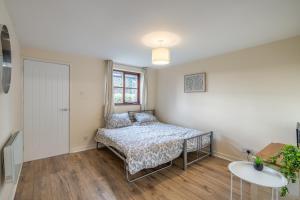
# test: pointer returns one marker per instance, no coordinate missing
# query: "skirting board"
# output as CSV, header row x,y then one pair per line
x,y
226,156
83,148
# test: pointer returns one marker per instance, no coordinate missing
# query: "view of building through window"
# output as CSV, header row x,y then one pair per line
x,y
126,87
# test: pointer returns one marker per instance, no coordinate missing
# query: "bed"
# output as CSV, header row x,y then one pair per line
x,y
153,144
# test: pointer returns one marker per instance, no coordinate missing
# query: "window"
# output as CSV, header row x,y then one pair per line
x,y
126,87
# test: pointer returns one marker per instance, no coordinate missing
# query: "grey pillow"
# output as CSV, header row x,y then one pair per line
x,y
144,117
118,120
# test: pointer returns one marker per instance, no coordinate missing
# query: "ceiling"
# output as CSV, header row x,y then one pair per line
x,y
113,29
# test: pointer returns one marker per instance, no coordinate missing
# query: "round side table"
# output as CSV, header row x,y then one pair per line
x,y
268,177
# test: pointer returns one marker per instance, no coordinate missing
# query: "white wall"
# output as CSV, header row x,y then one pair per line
x,y
10,104
252,98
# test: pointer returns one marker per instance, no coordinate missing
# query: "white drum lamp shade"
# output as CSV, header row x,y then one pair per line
x,y
160,56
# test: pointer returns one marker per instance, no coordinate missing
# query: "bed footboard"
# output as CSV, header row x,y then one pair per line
x,y
129,177
201,151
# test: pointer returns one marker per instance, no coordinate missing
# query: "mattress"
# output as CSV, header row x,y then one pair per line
x,y
150,145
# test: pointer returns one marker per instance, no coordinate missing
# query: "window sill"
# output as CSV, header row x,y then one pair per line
x,y
127,104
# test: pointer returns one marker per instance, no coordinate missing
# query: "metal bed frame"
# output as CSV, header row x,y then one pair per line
x,y
200,149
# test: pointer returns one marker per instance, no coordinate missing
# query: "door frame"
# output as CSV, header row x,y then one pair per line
x,y
52,62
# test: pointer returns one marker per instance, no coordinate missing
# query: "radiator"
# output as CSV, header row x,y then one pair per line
x,y
13,157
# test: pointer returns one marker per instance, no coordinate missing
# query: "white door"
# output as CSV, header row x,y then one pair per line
x,y
46,109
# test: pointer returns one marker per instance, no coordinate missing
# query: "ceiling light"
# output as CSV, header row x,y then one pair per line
x,y
160,42
160,56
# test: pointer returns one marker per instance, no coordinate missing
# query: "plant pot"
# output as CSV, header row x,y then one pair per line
x,y
258,167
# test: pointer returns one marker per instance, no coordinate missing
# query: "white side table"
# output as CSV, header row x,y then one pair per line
x,y
266,178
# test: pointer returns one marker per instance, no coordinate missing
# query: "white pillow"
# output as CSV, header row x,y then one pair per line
x,y
118,120
144,117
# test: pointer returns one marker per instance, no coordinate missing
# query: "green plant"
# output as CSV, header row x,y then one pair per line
x,y
258,160
289,164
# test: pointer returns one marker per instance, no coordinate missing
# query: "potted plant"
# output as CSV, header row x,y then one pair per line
x,y
289,164
258,163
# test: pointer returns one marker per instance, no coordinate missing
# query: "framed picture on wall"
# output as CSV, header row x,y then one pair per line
x,y
195,82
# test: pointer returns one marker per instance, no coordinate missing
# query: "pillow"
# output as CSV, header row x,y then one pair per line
x,y
144,117
118,120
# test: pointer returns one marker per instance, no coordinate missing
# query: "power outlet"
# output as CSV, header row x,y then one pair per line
x,y
248,151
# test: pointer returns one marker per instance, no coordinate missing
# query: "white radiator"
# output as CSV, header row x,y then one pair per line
x,y
13,157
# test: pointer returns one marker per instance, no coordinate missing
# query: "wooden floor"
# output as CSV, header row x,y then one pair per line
x,y
99,174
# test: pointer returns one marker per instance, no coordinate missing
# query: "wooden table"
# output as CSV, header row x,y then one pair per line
x,y
270,150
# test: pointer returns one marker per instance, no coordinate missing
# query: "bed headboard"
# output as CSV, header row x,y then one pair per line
x,y
131,113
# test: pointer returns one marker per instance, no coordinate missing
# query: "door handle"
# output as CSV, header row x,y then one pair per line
x,y
64,109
